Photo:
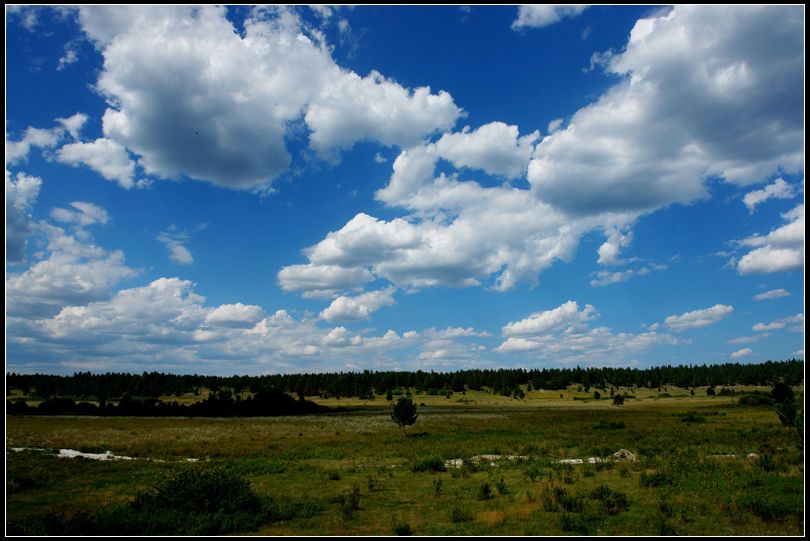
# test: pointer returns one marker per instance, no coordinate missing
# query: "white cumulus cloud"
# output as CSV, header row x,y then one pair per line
x,y
699,318
780,250
744,352
75,272
243,93
104,156
21,193
17,151
540,15
235,315
694,101
346,308
322,280
778,190
565,315
563,334
495,148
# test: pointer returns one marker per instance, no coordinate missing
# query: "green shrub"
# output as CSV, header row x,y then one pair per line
x,y
692,418
402,528
609,425
432,464
278,509
769,507
460,514
349,502
557,498
191,502
755,400
577,523
613,502
484,492
535,469
655,479
201,490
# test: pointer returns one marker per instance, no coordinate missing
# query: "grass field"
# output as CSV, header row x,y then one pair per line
x,y
312,466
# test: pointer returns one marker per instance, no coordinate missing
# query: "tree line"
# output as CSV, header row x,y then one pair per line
x,y
223,403
506,381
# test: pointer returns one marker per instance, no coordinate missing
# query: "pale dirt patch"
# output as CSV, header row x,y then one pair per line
x,y
105,456
622,455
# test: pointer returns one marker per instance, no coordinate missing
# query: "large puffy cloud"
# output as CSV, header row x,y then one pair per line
x,y
780,250
235,315
495,148
161,309
352,108
698,318
346,308
167,323
106,157
322,280
540,15
76,272
442,241
21,193
692,103
565,315
241,93
698,99
563,334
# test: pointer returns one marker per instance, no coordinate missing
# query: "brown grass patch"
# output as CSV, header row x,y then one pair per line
x,y
492,517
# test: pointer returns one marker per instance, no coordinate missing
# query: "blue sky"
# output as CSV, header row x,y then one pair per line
x,y
263,190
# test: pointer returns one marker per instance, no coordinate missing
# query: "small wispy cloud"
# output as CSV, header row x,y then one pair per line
x,y
175,241
772,294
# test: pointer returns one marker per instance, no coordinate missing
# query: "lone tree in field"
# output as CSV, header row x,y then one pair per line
x,y
404,413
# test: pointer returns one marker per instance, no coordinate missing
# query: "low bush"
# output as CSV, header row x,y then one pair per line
x,y
460,514
558,499
432,464
191,502
609,425
755,400
655,479
613,502
484,492
402,528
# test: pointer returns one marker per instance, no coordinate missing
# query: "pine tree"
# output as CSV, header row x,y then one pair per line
x,y
404,413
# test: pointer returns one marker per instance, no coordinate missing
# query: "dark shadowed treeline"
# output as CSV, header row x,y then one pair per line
x,y
221,404
101,387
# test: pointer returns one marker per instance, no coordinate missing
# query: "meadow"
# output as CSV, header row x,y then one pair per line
x,y
356,473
